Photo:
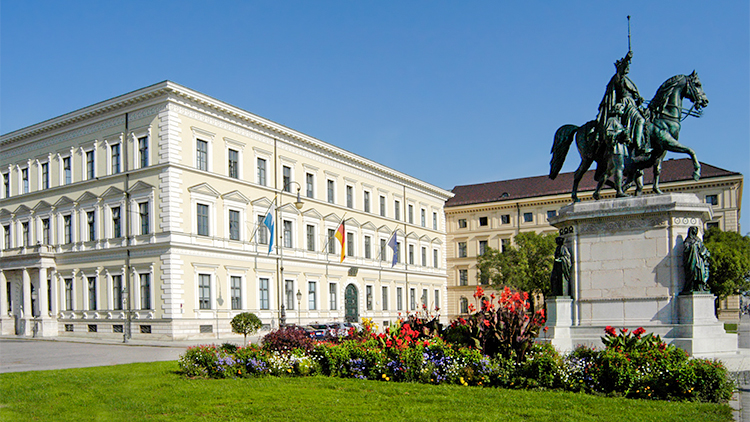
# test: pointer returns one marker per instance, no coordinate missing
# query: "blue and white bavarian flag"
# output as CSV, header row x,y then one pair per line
x,y
394,245
268,222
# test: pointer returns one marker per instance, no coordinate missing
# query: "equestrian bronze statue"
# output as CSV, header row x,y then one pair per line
x,y
626,138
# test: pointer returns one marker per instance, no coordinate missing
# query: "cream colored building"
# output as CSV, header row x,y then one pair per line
x,y
140,216
491,214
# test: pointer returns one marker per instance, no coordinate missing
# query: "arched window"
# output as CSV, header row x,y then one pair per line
x,y
463,305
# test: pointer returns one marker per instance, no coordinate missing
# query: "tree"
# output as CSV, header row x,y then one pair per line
x,y
246,323
525,266
729,264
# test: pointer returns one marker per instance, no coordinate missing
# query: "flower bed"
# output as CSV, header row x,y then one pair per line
x,y
500,353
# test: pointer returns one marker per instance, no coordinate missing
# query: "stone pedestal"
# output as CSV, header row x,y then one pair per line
x,y
559,322
627,271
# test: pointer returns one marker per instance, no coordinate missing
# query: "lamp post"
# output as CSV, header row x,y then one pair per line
x,y
299,307
297,204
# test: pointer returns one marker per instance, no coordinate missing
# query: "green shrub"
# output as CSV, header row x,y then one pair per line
x,y
199,361
541,369
246,323
286,339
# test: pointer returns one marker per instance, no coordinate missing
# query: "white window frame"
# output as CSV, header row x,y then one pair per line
x,y
211,271
135,137
268,157
208,138
240,148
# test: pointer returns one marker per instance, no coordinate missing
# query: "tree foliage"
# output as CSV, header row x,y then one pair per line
x,y
525,266
729,264
246,323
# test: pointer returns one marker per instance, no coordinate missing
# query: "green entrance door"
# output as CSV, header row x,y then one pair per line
x,y
350,304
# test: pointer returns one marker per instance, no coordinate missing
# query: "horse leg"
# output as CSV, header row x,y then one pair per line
x,y
582,169
657,172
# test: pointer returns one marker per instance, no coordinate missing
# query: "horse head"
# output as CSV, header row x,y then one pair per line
x,y
695,91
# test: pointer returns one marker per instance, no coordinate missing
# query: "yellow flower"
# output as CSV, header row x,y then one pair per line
x,y
384,376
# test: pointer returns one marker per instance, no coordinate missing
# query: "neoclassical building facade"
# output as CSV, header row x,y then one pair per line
x,y
141,217
491,214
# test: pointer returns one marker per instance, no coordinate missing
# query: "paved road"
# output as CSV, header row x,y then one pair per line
x,y
17,355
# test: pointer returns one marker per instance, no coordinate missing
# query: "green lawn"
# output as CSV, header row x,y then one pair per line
x,y
155,392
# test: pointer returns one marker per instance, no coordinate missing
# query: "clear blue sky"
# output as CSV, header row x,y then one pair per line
x,y
452,93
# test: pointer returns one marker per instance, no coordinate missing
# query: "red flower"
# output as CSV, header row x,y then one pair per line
x,y
610,330
623,330
545,329
487,323
388,343
638,331
479,293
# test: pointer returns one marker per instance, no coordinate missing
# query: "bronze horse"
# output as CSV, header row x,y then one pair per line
x,y
661,134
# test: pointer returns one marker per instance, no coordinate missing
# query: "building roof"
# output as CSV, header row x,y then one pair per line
x,y
530,187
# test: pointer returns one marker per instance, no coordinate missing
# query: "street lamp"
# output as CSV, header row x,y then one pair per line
x,y
297,204
299,308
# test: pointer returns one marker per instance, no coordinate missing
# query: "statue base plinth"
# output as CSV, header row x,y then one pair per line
x,y
627,273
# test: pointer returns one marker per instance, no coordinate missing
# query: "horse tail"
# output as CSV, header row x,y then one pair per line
x,y
563,139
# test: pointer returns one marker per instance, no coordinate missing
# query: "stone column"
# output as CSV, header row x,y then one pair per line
x,y
43,299
6,322
54,297
27,311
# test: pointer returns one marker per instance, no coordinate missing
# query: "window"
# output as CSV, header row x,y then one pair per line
x,y
482,247
45,175
411,254
424,256
312,303
202,219
90,174
262,231
483,221
91,221
26,234
366,199
435,258
92,292
25,179
368,247
146,291
423,216
289,293
331,241
117,292
331,191
204,291
463,277
236,293
424,298
68,174
311,238
233,164
261,171
115,162
463,305
6,237
201,155
462,249
461,223
368,297
411,214
143,213
712,199
116,223
68,294
263,293
504,244
234,225
437,299
385,298
67,229
6,185
434,221
286,178
382,249
287,234
551,213
712,224
332,296
349,244
528,217
413,299
350,197
505,218
143,151
45,232
399,298
310,184
397,210
382,206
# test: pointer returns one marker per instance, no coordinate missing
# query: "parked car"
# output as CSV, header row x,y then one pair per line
x,y
339,329
318,331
